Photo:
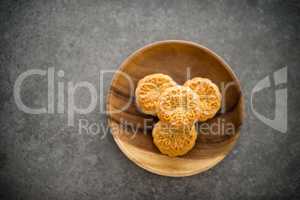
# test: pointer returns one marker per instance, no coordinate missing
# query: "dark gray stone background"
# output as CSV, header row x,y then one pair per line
x,y
42,158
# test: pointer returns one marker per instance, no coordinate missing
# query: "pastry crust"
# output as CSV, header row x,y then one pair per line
x,y
209,95
178,106
149,90
174,141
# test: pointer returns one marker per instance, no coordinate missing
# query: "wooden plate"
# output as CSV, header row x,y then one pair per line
x,y
131,129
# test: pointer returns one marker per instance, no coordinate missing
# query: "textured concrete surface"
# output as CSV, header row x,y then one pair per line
x,y
42,158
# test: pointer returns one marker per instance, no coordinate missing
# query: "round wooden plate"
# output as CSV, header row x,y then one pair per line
x,y
181,60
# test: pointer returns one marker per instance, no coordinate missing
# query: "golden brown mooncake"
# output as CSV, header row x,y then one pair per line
x,y
178,106
149,90
209,96
174,141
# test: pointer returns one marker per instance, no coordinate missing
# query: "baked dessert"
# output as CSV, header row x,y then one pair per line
x,y
209,96
149,90
174,141
178,106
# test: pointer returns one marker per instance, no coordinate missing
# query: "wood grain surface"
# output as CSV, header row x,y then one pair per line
x,y
181,60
